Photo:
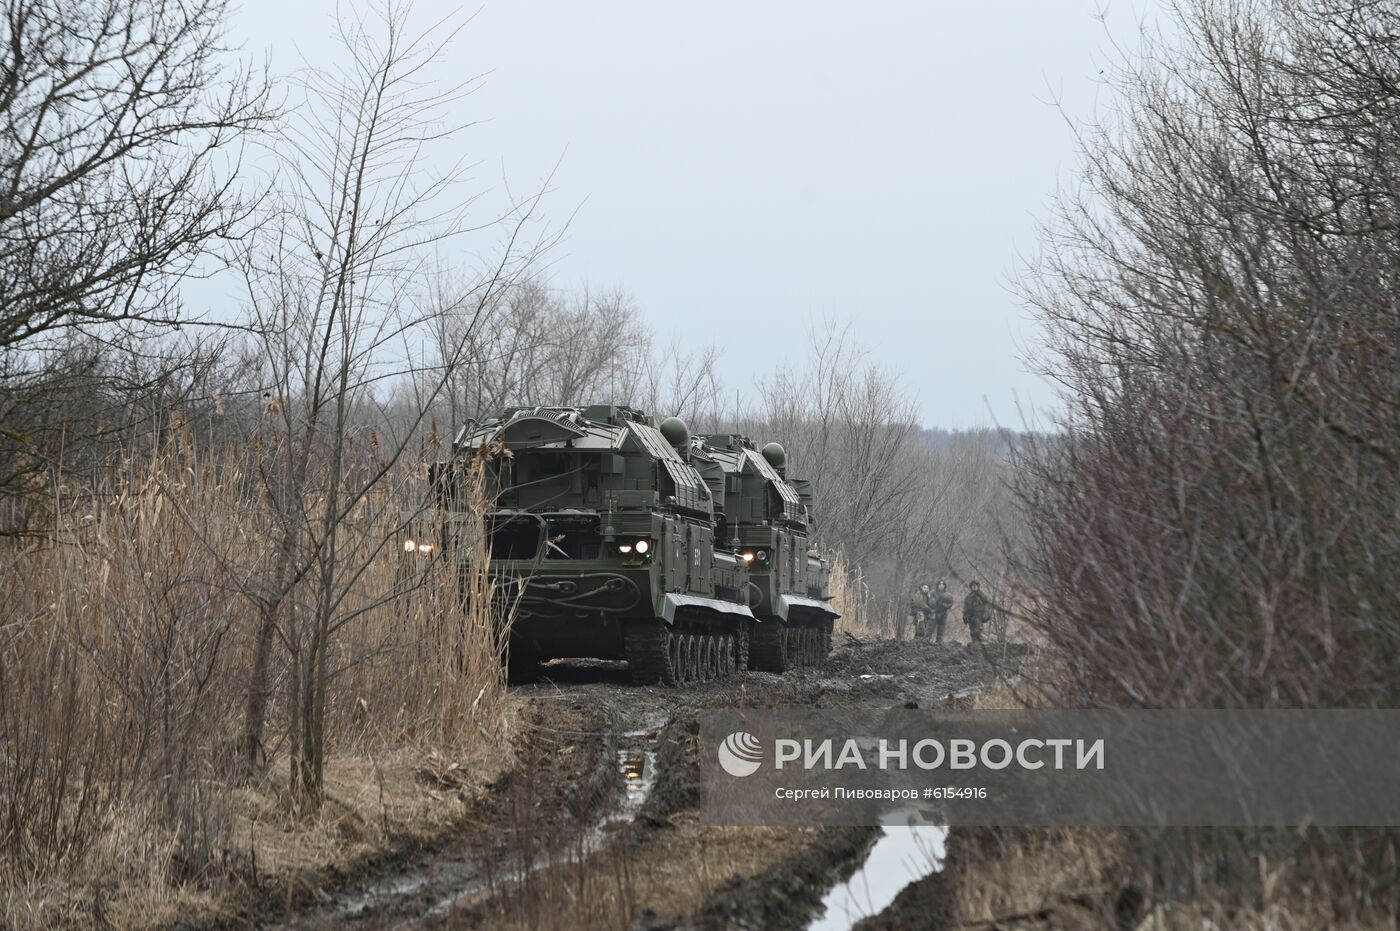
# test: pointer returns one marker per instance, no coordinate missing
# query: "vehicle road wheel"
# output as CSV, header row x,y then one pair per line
x,y
674,648
689,659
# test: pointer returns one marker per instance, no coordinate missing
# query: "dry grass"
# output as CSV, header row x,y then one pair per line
x,y
1033,869
1071,877
862,615
670,875
124,658
371,801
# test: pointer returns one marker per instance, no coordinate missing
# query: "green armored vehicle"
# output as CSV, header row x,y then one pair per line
x,y
611,537
767,518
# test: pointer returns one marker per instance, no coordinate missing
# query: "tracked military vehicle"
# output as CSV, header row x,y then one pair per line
x,y
615,537
767,519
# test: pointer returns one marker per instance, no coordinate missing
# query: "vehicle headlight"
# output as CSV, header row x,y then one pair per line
x,y
762,555
409,546
748,557
425,548
643,545
624,547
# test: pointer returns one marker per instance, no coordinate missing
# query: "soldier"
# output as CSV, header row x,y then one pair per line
x,y
921,606
977,610
942,604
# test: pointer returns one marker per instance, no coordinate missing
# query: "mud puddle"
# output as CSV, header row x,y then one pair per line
x,y
609,775
903,855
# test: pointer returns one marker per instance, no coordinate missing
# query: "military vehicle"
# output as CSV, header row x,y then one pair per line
x,y
767,519
615,537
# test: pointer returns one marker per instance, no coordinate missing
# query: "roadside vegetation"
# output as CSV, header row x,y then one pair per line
x,y
1214,526
213,634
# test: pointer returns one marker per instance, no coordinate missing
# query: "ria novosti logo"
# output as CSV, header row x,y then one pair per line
x,y
740,754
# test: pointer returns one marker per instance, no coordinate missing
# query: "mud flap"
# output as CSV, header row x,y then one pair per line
x,y
787,602
674,602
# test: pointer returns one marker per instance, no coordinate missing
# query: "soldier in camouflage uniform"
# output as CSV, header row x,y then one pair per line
x,y
921,607
977,611
942,604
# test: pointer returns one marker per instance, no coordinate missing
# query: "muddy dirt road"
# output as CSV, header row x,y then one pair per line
x,y
597,826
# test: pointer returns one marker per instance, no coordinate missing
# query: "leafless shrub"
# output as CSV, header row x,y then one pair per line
x,y
333,279
1216,526
96,401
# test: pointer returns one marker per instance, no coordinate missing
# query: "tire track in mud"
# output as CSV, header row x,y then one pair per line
x,y
608,769
629,785
557,805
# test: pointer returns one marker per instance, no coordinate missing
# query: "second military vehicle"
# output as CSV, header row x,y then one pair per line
x,y
767,520
615,537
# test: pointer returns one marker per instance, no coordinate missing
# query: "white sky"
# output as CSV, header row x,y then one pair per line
x,y
745,170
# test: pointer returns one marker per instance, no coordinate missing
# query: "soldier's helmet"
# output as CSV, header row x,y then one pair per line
x,y
942,584
974,585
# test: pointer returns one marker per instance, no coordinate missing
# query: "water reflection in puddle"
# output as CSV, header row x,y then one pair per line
x,y
638,768
901,856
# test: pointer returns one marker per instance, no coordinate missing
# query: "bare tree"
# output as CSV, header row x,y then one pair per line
x,y
119,144
334,283
536,345
686,384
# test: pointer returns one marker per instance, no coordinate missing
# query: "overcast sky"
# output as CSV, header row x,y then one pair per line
x,y
746,170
